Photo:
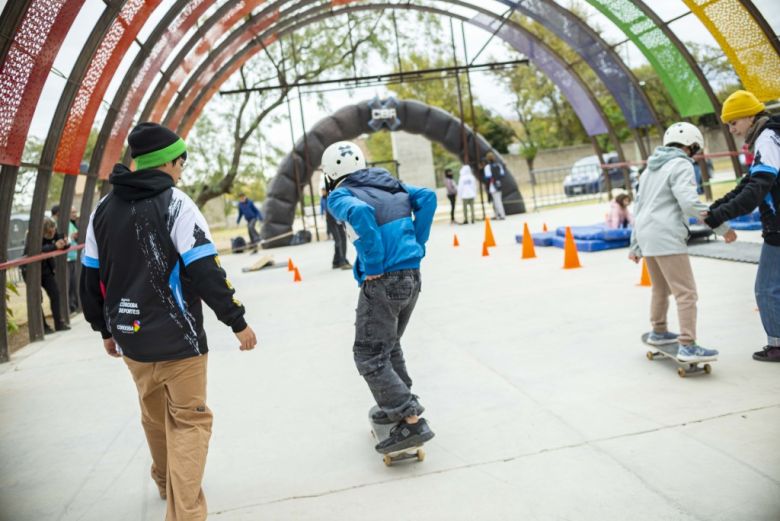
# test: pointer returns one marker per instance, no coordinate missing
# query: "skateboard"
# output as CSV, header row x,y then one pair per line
x,y
381,432
670,351
262,262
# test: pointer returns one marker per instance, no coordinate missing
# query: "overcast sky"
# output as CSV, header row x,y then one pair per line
x,y
488,93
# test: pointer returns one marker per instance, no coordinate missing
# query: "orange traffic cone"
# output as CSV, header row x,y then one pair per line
x,y
489,240
485,252
528,243
645,280
297,277
455,241
544,227
290,265
570,258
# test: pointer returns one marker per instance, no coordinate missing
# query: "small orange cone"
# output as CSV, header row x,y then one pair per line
x,y
290,265
485,252
570,258
528,243
489,240
455,241
544,227
645,280
297,277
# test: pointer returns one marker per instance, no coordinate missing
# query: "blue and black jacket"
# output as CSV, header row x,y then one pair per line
x,y
388,222
149,261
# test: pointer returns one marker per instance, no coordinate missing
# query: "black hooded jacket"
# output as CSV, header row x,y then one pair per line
x,y
759,188
148,263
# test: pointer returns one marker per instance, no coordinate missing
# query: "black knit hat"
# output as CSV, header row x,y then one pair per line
x,y
153,145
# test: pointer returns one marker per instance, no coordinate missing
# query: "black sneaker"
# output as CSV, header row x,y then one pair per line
x,y
768,354
405,435
47,330
380,417
62,327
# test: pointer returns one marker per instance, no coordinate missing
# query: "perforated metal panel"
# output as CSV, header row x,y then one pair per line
x,y
680,80
596,53
196,56
26,67
537,52
143,79
746,46
213,64
105,61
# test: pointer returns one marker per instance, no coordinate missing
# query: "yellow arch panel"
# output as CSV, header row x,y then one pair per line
x,y
744,43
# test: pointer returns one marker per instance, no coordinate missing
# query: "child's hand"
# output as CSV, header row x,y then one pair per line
x,y
633,257
730,236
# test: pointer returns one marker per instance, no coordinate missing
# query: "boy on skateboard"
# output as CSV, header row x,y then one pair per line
x,y
666,198
389,224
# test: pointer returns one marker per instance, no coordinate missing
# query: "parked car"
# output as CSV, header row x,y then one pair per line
x,y
587,177
17,233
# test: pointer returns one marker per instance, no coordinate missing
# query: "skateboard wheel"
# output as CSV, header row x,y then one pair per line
x,y
681,372
388,460
420,455
707,368
650,355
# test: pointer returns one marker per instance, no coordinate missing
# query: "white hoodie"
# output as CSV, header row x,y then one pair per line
x,y
467,183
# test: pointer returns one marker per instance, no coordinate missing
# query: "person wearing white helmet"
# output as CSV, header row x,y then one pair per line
x,y
389,223
666,199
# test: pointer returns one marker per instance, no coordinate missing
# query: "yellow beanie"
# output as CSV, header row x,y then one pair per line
x,y
740,104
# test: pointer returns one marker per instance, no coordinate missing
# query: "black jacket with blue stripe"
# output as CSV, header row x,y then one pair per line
x,y
148,262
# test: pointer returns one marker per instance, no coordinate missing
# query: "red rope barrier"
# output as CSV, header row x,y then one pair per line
x,y
22,261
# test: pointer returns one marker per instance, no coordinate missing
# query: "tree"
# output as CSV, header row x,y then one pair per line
x,y
315,52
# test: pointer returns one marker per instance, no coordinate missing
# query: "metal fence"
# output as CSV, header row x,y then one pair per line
x,y
561,185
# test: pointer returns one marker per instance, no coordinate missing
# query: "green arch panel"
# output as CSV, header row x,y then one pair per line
x,y
680,80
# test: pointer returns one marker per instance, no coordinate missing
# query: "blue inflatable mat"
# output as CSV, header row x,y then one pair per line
x,y
540,239
596,232
591,245
749,218
745,226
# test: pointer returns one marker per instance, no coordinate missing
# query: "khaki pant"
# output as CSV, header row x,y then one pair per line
x,y
177,423
672,274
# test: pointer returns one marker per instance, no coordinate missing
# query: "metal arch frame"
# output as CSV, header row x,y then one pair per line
x,y
40,193
604,47
238,58
716,104
488,13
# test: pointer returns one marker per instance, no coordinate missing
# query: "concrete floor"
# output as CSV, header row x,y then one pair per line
x,y
534,379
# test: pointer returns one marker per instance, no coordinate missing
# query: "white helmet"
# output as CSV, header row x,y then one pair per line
x,y
684,134
341,159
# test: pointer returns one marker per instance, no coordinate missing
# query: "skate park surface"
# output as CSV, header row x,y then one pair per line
x,y
534,379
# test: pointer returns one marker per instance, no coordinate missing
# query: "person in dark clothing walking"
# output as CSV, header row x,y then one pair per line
x,y
389,224
747,118
149,262
336,230
250,212
51,241
452,192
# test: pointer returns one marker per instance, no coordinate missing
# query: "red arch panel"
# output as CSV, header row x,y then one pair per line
x,y
102,68
151,66
26,67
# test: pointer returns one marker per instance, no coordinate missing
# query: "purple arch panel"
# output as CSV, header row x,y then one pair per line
x,y
586,109
574,32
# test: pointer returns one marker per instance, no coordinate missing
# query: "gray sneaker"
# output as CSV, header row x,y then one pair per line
x,y
661,339
696,353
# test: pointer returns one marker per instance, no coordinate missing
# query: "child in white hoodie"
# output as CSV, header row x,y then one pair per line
x,y
666,198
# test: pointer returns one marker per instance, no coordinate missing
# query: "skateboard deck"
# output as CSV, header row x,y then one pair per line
x,y
262,262
380,432
670,351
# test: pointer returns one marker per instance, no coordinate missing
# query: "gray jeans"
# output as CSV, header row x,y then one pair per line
x,y
383,311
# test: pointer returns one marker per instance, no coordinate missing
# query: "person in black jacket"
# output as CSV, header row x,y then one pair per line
x,y
51,241
149,261
746,118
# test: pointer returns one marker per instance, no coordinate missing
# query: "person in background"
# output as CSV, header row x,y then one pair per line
x,y
467,191
619,215
494,174
250,212
336,229
51,241
72,256
452,192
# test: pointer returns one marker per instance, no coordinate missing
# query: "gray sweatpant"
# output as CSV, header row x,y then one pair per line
x,y
384,308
